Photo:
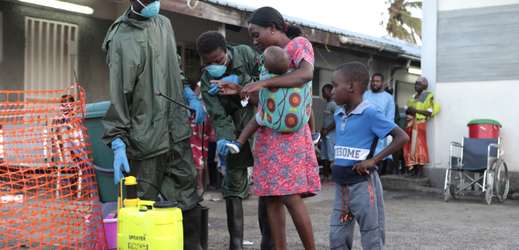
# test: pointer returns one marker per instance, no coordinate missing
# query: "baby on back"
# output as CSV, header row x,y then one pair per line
x,y
281,109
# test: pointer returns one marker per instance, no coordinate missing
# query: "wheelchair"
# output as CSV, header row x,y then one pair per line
x,y
477,156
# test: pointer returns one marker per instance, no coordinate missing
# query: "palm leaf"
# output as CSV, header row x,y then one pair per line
x,y
414,23
400,23
416,5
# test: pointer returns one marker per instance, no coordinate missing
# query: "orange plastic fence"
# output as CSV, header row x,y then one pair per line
x,y
49,197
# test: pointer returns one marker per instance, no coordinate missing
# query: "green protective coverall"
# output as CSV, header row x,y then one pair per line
x,y
142,56
229,118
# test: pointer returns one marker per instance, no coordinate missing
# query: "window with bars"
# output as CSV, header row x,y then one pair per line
x,y
50,54
190,60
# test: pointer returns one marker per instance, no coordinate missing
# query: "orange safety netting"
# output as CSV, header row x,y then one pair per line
x,y
49,196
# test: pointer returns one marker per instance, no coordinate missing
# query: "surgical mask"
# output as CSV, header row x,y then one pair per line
x,y
217,70
149,11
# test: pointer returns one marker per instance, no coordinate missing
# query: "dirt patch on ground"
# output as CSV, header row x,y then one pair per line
x,y
414,220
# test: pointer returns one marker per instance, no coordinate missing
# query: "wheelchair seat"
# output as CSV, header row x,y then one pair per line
x,y
477,156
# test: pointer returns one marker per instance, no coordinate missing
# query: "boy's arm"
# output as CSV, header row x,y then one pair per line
x,y
325,131
400,138
332,126
199,131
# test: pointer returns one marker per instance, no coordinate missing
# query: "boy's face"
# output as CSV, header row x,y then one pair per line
x,y
342,90
66,107
326,93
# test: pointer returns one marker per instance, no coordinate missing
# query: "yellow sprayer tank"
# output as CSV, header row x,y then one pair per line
x,y
147,225
151,226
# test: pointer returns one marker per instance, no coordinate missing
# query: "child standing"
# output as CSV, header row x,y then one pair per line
x,y
278,112
67,142
328,134
358,191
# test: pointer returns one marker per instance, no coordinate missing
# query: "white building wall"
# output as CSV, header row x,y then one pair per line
x,y
429,59
464,101
444,5
487,100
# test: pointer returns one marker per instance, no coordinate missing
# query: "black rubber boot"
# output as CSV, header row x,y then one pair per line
x,y
235,222
266,238
191,223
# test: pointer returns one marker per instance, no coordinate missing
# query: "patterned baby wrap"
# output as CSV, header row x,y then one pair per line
x,y
285,109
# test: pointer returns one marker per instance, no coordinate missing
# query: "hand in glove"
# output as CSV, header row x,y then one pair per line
x,y
120,158
191,98
214,89
214,86
231,78
221,145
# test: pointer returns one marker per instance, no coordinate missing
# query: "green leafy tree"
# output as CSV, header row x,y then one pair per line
x,y
400,23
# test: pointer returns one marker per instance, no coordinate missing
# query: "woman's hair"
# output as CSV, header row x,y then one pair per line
x,y
210,41
424,81
265,16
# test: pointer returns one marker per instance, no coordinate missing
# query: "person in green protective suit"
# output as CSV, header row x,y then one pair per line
x,y
151,131
237,64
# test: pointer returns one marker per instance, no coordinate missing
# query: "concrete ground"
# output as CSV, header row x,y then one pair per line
x,y
414,220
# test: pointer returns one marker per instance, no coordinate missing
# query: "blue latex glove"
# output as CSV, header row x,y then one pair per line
x,y
192,99
214,86
221,145
120,158
231,78
214,89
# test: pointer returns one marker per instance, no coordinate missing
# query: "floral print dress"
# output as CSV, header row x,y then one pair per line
x,y
285,163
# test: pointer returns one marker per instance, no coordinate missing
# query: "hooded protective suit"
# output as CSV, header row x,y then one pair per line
x,y
142,56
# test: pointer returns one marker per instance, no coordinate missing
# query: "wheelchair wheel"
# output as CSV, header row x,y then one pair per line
x,y
446,194
456,182
489,194
446,191
501,180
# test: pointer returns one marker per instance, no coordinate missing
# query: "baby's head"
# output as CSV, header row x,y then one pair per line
x,y
276,60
